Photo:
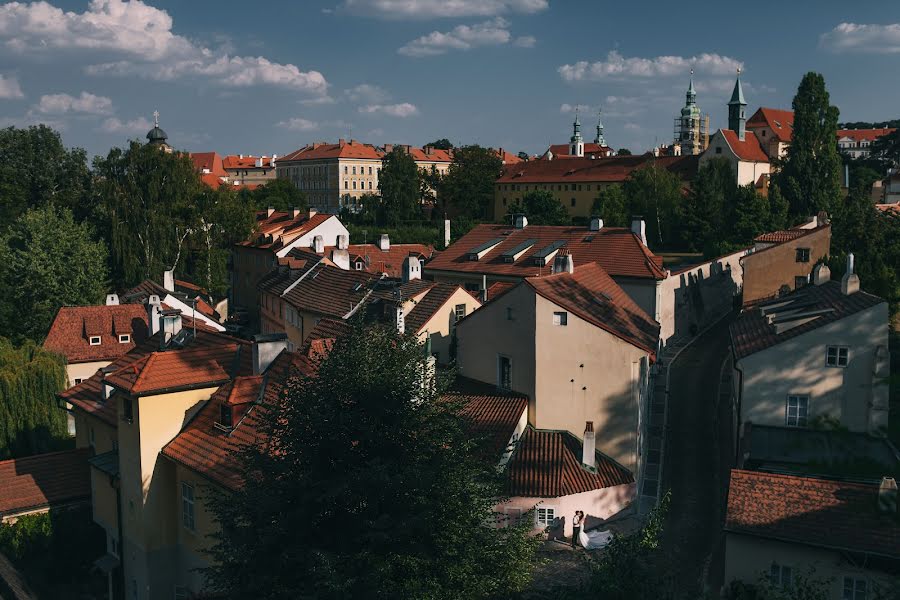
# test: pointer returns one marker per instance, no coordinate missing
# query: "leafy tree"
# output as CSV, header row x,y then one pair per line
x,y
887,147
809,178
36,170
279,194
805,585
523,155
655,192
368,486
542,208
623,152
400,187
468,187
47,260
441,144
704,212
30,421
612,206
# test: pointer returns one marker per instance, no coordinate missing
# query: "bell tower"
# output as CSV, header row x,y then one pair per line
x,y
737,119
576,142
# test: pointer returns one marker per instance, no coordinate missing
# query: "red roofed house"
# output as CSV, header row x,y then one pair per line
x,y
44,482
843,534
857,143
818,352
249,170
774,129
577,346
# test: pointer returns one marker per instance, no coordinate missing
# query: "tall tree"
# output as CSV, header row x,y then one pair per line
x,y
47,260
442,144
279,194
612,206
400,185
36,170
704,212
542,208
887,147
809,177
468,187
654,193
368,486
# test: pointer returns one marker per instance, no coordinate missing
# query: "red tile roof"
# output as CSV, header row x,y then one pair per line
x,y
173,369
816,512
234,161
748,149
859,135
607,170
342,149
616,249
547,464
507,157
74,325
491,415
888,208
44,481
781,122
329,329
213,181
390,261
497,289
778,237
330,291
433,155
429,306
279,229
290,268
562,150
184,291
591,294
752,332
208,161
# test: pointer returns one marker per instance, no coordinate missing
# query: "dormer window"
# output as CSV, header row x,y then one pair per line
x,y
94,340
124,338
225,415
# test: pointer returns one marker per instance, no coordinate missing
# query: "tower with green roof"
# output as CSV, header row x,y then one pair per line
x,y
737,120
691,128
576,142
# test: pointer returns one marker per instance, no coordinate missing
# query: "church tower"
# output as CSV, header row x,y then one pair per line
x,y
576,142
156,136
691,128
599,140
737,119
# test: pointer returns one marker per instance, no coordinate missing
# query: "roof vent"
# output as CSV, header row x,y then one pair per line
x,y
887,495
521,221
596,224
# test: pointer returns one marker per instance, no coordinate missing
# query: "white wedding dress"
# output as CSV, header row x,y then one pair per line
x,y
592,540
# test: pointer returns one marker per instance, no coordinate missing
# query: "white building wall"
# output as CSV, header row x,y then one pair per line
x,y
330,229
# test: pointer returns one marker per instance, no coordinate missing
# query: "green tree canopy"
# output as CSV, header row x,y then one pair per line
x,y
400,186
468,187
370,486
654,193
623,152
542,208
47,260
887,147
704,212
612,206
279,194
809,178
441,144
36,170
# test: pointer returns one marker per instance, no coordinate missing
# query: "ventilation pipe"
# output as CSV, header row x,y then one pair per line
x,y
446,233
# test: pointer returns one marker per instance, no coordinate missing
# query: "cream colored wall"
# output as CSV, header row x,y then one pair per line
x,y
765,272
610,372
83,370
797,367
748,557
596,504
505,194
440,326
104,502
644,293
724,151
104,434
748,172
192,545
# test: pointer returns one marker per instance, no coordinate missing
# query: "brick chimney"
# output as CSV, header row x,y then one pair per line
x,y
589,447
850,281
821,274
342,242
388,148
342,142
265,349
318,244
563,263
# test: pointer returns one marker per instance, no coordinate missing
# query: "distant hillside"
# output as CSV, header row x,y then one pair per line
x,y
866,125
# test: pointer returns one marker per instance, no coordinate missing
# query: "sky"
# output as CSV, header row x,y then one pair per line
x,y
270,77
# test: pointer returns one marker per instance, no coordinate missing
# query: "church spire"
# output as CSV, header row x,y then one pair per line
x,y
737,120
599,140
576,142
691,94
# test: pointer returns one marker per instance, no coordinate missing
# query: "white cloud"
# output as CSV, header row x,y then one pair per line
x,y
429,9
298,124
871,39
402,110
617,66
525,41
143,35
116,125
9,88
318,101
58,104
462,37
368,93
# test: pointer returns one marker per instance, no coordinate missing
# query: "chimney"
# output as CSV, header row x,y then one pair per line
x,y
887,496
639,228
484,289
342,142
169,325
241,156
399,320
342,242
274,158
427,149
318,244
388,148
112,300
311,213
596,223
589,447
850,280
153,310
384,242
107,389
341,258
412,269
269,211
265,349
821,274
446,233
169,280
520,222
563,263
295,213
259,162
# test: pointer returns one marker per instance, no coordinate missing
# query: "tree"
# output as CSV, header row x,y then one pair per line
x,y
441,144
704,212
654,193
369,485
47,260
623,152
887,147
279,194
612,206
36,170
542,208
400,187
30,420
468,187
809,177
523,155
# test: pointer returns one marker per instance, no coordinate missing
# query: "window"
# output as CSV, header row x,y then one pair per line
x,y
370,170
187,505
797,411
354,170
124,338
346,185
561,318
459,311
359,266
77,380
803,255
800,281
837,356
854,589
509,313
370,185
225,415
780,575
94,340
504,372
718,150
345,169
513,515
545,515
573,201
127,410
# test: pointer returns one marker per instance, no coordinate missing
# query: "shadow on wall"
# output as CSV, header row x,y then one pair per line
x,y
702,299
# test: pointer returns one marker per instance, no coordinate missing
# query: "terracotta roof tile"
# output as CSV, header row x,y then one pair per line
x,y
290,268
497,289
748,149
778,237
816,512
180,368
184,291
492,416
234,161
330,291
607,170
44,480
388,262
279,229
429,306
562,150
208,161
616,249
74,325
547,464
317,151
781,122
860,135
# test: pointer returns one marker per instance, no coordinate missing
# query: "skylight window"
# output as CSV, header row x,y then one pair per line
x,y
478,252
94,340
124,338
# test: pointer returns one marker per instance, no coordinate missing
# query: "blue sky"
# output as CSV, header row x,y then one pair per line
x,y
253,78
